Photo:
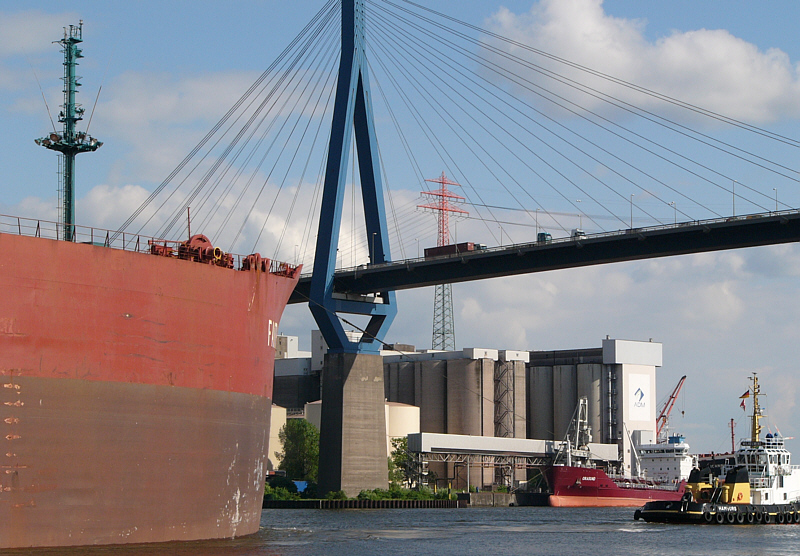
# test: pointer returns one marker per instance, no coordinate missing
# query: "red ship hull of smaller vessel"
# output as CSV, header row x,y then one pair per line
x,y
581,487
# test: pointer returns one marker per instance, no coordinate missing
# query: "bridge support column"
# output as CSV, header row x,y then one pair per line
x,y
352,445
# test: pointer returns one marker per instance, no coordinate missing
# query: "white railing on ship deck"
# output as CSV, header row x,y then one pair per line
x,y
81,234
113,239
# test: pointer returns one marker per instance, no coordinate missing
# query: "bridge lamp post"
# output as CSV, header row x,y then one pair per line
x,y
631,211
674,206
733,190
537,223
580,215
372,253
775,189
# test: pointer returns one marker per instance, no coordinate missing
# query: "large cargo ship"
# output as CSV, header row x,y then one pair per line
x,y
136,391
135,376
575,479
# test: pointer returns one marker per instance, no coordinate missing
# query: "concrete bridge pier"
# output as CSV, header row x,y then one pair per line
x,y
352,444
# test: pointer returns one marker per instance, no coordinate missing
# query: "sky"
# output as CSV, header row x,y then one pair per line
x,y
168,70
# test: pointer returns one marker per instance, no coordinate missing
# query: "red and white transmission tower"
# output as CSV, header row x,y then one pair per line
x,y
444,334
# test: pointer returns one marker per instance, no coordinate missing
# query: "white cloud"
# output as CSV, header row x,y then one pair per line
x,y
774,261
31,32
108,206
714,305
34,207
163,117
709,68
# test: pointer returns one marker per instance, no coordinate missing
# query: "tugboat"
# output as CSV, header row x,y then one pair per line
x,y
759,486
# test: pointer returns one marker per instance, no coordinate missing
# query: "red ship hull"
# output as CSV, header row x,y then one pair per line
x,y
581,487
135,394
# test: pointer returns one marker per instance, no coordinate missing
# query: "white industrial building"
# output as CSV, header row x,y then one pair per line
x,y
505,393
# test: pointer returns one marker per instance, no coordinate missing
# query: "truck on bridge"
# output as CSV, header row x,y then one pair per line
x,y
453,249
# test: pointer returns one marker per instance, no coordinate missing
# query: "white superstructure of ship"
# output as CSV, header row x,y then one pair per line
x,y
668,461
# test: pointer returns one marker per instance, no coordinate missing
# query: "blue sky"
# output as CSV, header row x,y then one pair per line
x,y
169,69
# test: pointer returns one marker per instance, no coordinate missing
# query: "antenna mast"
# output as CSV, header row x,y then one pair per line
x,y
755,430
69,143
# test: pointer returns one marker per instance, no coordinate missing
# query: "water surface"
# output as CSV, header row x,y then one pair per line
x,y
474,531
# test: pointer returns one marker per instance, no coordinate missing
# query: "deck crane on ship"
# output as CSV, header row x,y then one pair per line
x,y
668,460
662,421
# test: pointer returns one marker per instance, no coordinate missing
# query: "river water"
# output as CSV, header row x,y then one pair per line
x,y
473,531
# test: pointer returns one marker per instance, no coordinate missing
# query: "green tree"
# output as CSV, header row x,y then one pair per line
x,y
336,495
300,455
399,463
279,493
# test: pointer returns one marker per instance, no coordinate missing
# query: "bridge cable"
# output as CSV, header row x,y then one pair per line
x,y
561,79
438,146
224,119
441,109
683,104
281,78
449,44
494,85
237,138
470,115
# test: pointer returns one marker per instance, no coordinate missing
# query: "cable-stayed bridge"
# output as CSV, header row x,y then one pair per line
x,y
331,138
539,144
317,165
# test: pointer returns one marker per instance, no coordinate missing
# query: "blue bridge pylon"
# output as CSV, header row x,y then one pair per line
x,y
352,112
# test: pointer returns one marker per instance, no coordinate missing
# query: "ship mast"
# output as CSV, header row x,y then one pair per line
x,y
756,426
69,143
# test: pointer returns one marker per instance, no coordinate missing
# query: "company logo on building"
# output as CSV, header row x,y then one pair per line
x,y
638,395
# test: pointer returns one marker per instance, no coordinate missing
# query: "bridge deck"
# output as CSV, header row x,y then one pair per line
x,y
624,245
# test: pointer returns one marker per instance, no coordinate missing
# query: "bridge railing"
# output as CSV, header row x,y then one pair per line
x,y
568,239
101,237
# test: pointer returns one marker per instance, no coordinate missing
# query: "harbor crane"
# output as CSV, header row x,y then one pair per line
x,y
663,418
